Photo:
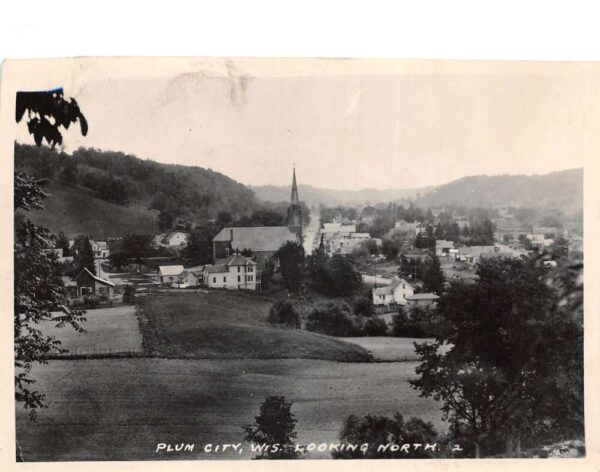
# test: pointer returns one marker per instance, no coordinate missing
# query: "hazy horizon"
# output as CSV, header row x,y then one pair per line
x,y
346,125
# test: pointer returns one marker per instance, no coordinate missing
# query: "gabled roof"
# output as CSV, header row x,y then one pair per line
x,y
257,238
97,279
170,270
398,281
236,260
387,290
216,269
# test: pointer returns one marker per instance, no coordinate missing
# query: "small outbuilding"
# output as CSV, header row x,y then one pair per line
x,y
89,284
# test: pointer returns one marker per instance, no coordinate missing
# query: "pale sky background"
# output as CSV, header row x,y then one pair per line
x,y
343,131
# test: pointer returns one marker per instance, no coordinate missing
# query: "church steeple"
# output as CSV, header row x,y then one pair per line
x,y
294,213
294,199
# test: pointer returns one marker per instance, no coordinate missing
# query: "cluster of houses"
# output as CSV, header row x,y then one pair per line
x,y
341,237
398,292
231,269
235,272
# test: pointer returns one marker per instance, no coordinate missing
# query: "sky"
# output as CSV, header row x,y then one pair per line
x,y
353,128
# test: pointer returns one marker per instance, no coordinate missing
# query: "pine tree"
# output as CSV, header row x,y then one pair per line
x,y
84,255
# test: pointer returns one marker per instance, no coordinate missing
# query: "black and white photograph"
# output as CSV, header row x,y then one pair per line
x,y
295,259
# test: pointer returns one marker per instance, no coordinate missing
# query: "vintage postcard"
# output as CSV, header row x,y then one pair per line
x,y
297,260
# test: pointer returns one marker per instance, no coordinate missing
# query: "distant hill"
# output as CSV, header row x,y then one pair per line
x,y
313,196
561,190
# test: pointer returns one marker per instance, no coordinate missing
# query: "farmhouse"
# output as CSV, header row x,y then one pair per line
x,y
394,293
169,274
89,284
421,300
261,241
234,272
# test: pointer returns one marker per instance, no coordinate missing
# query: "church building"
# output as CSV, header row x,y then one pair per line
x,y
263,241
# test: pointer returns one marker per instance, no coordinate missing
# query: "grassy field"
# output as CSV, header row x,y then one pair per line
x,y
389,348
108,330
76,211
119,409
226,324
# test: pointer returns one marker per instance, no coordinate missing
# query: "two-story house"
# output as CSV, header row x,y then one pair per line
x,y
234,272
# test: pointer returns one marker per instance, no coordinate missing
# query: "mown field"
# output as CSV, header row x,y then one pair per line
x,y
119,409
107,330
225,324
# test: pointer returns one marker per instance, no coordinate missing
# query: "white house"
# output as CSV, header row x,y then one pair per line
x,y
395,293
172,239
100,249
169,274
234,272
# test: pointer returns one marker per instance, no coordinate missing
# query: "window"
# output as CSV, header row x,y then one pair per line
x,y
239,269
214,280
224,279
239,277
85,291
250,268
226,251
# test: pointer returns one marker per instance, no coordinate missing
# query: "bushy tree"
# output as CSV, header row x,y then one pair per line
x,y
382,430
331,319
513,368
291,265
267,274
363,306
345,279
38,288
374,327
118,259
198,249
129,294
433,276
137,247
275,426
283,313
62,242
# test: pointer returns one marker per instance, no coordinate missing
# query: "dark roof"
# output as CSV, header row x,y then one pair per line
x,y
235,260
97,279
257,238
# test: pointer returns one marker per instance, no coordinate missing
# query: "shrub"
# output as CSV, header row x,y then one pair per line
x,y
129,294
422,323
331,319
283,313
381,430
363,307
375,327
274,427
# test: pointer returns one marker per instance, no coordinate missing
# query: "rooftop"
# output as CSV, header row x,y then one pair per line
x,y
170,270
257,238
422,296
